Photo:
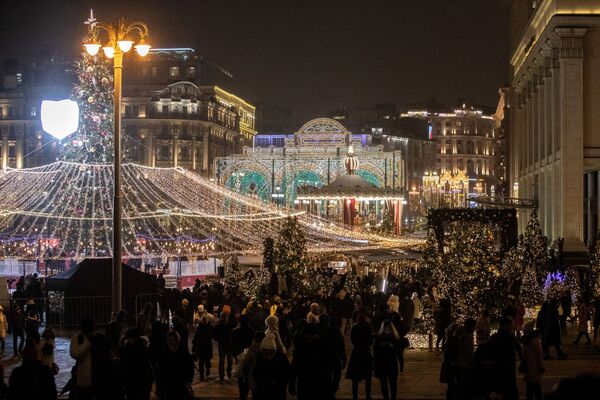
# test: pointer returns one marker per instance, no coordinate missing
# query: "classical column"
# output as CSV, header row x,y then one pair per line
x,y
4,148
206,151
149,146
571,132
19,148
175,149
193,151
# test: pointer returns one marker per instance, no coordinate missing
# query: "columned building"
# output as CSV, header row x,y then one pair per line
x,y
171,116
553,142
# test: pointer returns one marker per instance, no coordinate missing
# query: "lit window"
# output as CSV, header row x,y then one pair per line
x,y
191,71
174,72
33,112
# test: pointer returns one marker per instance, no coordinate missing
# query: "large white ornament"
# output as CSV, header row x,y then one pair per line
x,y
60,118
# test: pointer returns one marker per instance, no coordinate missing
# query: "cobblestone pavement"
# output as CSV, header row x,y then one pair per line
x,y
418,381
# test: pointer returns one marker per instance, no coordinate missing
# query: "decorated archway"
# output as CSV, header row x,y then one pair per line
x,y
250,183
369,177
299,179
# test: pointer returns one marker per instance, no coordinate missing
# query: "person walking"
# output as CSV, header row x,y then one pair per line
x,y
32,379
222,335
135,361
442,319
18,330
202,346
584,311
505,346
247,362
387,341
360,366
175,370
81,350
3,331
532,366
271,373
331,334
32,327
465,356
552,330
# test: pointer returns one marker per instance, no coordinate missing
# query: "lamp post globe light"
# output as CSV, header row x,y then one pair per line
x,y
119,42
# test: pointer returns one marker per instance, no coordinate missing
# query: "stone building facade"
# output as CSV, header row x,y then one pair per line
x,y
171,116
465,142
554,140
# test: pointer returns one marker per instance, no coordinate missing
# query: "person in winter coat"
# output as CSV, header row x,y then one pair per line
x,y
222,335
241,337
47,346
387,341
3,330
247,362
533,361
465,357
552,330
18,329
271,373
135,361
584,311
417,306
272,324
202,346
32,327
81,350
107,374
313,315
407,311
175,370
442,319
117,328
32,379
330,333
360,366
144,320
505,347
312,367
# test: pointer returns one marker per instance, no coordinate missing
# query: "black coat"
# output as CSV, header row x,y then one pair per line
x,y
31,381
312,368
241,339
386,360
137,373
202,342
175,372
361,359
271,377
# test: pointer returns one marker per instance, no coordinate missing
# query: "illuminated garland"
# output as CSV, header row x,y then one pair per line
x,y
64,210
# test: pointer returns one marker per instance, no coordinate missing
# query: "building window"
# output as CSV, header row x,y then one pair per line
x,y
191,72
184,110
174,72
11,112
144,72
165,130
165,110
278,142
154,71
127,111
33,112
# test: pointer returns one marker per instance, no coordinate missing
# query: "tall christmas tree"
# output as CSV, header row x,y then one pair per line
x,y
595,270
93,92
467,274
233,275
290,252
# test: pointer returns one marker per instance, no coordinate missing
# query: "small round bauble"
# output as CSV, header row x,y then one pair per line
x,y
90,99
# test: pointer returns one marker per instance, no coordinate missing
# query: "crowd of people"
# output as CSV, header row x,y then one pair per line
x,y
290,344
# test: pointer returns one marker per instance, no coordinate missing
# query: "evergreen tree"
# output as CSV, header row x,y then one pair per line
x,y
269,254
387,224
594,284
467,274
290,252
93,92
233,275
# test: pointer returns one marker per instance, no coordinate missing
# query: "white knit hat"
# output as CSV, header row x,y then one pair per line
x,y
269,343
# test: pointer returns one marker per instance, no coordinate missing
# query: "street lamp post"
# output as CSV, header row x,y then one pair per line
x,y
118,44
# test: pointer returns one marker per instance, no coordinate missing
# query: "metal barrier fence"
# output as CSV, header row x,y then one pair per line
x,y
142,299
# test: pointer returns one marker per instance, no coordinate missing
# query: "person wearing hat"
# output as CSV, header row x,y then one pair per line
x,y
3,330
271,372
532,366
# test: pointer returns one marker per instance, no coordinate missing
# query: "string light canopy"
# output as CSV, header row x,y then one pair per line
x,y
64,210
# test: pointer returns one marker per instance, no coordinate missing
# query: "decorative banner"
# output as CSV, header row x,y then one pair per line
x,y
60,118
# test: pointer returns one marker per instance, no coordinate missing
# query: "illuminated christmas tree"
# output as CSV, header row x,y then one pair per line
x,y
595,270
290,253
233,275
93,92
468,272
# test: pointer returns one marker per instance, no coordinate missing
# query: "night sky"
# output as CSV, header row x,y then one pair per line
x,y
310,56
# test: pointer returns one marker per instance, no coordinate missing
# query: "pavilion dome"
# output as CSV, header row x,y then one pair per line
x,y
346,182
